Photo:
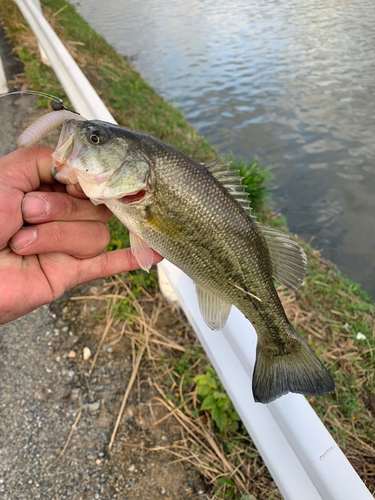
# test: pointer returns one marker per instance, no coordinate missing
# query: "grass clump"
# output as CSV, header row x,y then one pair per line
x,y
177,368
256,179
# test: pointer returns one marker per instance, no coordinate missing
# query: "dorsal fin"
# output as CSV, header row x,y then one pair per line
x,y
288,260
217,165
230,180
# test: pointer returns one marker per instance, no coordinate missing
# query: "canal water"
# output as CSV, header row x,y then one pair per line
x,y
291,81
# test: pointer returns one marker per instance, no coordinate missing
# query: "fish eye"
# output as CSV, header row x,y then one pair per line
x,y
95,136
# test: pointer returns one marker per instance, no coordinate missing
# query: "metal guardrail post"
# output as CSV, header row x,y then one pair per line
x,y
304,460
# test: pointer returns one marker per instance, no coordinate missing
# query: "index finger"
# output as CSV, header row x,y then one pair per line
x,y
20,172
25,169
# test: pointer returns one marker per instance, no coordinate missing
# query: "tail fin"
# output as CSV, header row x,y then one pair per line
x,y
297,371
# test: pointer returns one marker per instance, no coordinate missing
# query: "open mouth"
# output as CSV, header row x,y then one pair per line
x,y
67,150
133,197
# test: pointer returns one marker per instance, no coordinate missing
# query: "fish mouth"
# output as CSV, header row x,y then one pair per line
x,y
68,149
65,166
133,197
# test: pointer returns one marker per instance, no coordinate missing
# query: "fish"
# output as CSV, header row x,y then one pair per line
x,y
198,217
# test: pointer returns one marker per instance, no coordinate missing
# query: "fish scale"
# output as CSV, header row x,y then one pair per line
x,y
197,217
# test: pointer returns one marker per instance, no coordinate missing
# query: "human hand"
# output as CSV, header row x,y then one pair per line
x,y
62,246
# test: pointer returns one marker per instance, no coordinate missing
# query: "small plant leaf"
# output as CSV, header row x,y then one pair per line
x,y
220,418
212,383
225,480
222,395
208,403
203,390
200,379
210,371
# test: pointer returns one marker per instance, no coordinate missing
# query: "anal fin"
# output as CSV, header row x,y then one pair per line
x,y
214,310
141,251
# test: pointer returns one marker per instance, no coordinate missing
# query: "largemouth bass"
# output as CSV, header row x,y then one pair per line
x,y
198,217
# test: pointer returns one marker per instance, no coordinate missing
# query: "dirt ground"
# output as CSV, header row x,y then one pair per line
x,y
46,387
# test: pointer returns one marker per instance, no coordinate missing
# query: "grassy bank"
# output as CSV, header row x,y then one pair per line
x,y
328,309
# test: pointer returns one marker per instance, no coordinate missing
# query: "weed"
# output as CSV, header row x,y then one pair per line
x,y
216,401
256,180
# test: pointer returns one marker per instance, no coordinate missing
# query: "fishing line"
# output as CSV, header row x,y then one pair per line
x,y
46,123
35,92
57,103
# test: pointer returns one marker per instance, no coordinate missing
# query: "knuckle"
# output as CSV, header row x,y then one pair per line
x,y
105,214
57,230
103,234
104,265
68,206
97,238
98,213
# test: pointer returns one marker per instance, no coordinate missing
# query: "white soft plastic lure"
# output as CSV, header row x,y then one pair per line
x,y
46,123
37,130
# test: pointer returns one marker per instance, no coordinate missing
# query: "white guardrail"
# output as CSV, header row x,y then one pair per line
x,y
304,460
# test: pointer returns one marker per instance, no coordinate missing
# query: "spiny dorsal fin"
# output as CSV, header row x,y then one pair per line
x,y
288,260
217,165
215,311
230,180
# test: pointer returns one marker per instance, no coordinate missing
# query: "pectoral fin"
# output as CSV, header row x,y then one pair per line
x,y
214,310
141,251
166,225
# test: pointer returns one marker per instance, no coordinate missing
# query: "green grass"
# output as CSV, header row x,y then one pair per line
x,y
214,399
256,180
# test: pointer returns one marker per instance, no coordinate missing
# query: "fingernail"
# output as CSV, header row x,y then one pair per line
x,y
35,206
23,238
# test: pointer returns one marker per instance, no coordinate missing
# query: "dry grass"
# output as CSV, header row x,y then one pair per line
x,y
159,334
229,461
